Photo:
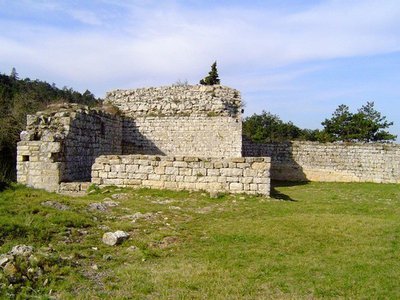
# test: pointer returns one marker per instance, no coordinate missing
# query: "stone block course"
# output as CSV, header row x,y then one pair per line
x,y
175,177
299,161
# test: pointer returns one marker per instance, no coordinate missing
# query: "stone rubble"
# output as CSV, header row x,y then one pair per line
x,y
115,238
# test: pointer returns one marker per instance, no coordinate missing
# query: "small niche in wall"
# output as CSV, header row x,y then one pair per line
x,y
25,157
36,137
102,129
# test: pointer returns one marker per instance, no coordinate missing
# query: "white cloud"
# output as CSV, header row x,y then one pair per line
x,y
162,43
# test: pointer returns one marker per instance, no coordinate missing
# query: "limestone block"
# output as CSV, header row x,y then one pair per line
x,y
238,160
247,180
115,238
153,183
97,166
171,185
190,178
132,181
259,166
145,169
232,179
113,181
213,172
180,164
171,171
235,186
154,177
159,170
185,171
132,168
231,172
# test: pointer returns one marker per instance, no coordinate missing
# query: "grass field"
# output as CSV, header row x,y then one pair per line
x,y
315,240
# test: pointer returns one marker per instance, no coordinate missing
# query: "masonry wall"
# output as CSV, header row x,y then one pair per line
x,y
62,143
180,120
182,135
299,161
233,175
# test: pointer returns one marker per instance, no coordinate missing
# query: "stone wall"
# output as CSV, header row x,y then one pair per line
x,y
180,120
233,175
299,161
61,144
196,136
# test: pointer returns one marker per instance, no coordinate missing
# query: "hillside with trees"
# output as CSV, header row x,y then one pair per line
x,y
19,97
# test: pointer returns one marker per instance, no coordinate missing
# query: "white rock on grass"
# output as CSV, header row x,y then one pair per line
x,y
115,238
21,250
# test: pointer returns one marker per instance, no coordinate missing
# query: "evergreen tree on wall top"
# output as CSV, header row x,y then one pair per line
x,y
212,77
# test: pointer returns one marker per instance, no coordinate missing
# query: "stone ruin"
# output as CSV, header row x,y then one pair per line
x,y
176,137
180,137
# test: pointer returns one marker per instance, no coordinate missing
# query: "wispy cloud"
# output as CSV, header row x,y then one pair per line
x,y
170,40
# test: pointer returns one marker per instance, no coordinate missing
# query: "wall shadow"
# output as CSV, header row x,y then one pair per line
x,y
134,142
276,194
99,135
4,186
283,166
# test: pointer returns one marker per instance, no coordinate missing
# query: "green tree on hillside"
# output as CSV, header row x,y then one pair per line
x,y
212,77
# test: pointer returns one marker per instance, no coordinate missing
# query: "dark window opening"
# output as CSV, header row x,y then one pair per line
x,y
25,157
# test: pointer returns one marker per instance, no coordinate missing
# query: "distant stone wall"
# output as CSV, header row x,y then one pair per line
x,y
180,120
62,143
299,161
233,175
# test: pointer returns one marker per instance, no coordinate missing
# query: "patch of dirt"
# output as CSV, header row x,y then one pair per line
x,y
165,242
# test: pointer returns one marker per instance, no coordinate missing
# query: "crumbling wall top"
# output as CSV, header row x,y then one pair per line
x,y
179,100
53,124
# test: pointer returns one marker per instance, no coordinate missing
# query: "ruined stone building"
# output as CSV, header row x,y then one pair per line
x,y
179,137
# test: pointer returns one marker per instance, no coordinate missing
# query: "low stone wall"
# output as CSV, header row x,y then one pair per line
x,y
232,175
300,161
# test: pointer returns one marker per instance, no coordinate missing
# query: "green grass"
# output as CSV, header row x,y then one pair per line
x,y
315,240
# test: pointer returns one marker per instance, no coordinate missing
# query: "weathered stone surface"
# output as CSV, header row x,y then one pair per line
x,y
10,270
4,259
98,206
205,173
55,204
115,238
299,161
61,145
21,250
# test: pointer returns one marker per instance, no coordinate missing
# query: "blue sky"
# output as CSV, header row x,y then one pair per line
x,y
295,58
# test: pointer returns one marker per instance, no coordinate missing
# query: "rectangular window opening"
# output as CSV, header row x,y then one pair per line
x,y
25,157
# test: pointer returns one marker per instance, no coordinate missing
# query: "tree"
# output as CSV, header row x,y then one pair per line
x,y
267,127
14,74
212,77
339,127
370,124
364,126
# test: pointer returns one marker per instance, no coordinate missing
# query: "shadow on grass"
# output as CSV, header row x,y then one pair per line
x,y
4,186
280,196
